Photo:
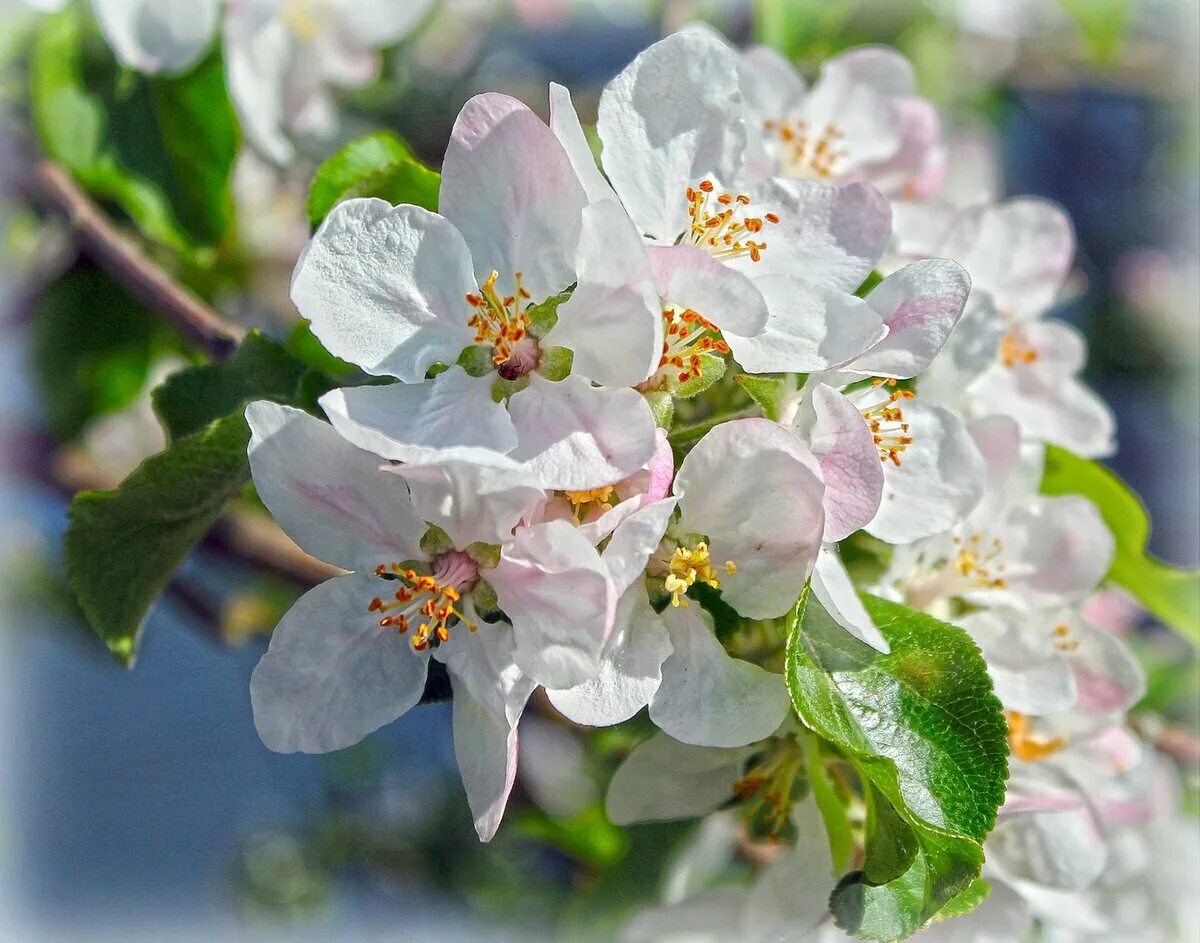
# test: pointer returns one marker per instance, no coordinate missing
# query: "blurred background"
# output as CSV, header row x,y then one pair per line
x,y
140,805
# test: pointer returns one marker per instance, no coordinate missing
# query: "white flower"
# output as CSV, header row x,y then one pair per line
x,y
750,260
167,36
861,120
750,523
398,289
1011,361
352,654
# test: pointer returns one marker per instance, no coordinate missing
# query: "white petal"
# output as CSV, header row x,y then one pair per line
x,y
691,278
380,22
833,588
158,35
771,86
634,540
330,497
664,779
1029,674
470,502
1108,675
1022,254
1003,917
920,304
260,56
630,668
669,120
411,422
613,320
1066,543
791,897
508,186
554,587
810,328
826,234
755,492
564,122
575,436
485,746
331,675
1061,848
841,441
712,916
385,287
939,481
708,698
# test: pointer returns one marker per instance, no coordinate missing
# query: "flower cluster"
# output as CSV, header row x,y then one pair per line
x,y
520,499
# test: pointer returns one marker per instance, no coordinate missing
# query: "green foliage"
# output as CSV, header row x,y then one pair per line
x,y
92,347
587,836
123,546
800,28
868,284
200,133
380,165
72,123
766,391
259,369
831,806
965,901
1103,24
712,368
1172,594
929,742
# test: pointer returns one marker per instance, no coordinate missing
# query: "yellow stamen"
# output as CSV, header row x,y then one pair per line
x,y
976,560
724,231
807,153
686,335
499,321
888,426
423,595
1015,348
690,566
1027,744
600,497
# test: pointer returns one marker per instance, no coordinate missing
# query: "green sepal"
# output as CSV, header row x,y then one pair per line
x,y
555,363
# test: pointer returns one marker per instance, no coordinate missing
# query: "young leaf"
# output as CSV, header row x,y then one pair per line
x,y
259,369
712,368
379,164
1172,594
767,392
925,731
123,546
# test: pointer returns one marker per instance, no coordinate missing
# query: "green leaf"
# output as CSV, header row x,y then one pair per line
x,y
965,901
712,368
833,810
72,124
200,133
123,546
379,164
92,347
890,843
1172,594
923,728
304,346
765,391
259,369
1103,24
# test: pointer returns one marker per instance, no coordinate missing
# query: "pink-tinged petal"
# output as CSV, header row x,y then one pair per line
x,y
1029,674
630,668
1107,674
1066,544
330,497
832,586
485,746
998,439
575,436
385,287
661,468
938,482
708,698
483,663
613,320
826,234
413,422
856,93
755,491
671,119
916,169
810,328
469,501
664,779
634,540
509,188
691,278
555,589
1021,255
167,36
1062,848
564,122
920,304
331,675
841,441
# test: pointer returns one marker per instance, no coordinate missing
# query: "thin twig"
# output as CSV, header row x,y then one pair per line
x,y
53,190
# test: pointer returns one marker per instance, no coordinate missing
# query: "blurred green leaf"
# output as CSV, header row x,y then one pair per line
x,y
122,547
1172,594
1103,24
73,127
259,369
924,730
800,28
587,836
380,165
200,132
92,347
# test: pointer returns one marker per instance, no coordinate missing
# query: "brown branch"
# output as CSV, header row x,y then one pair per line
x,y
52,188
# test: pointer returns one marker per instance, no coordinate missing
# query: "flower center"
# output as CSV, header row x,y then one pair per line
x,y
1026,743
502,322
432,599
888,427
686,335
1063,641
584,501
976,561
722,227
305,19
1015,348
690,566
806,152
